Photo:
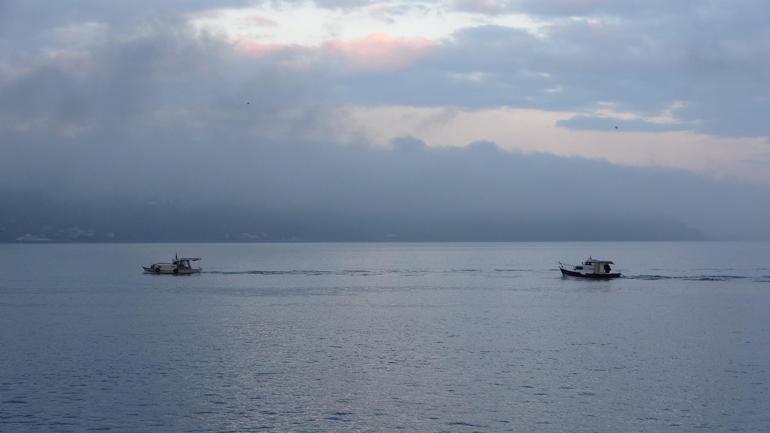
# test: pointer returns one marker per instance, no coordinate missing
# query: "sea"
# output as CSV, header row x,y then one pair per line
x,y
384,337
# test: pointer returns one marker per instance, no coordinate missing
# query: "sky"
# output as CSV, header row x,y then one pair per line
x,y
384,120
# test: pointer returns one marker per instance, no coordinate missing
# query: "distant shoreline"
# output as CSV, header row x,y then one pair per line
x,y
379,241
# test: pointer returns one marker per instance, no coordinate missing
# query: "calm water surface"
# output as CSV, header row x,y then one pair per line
x,y
385,337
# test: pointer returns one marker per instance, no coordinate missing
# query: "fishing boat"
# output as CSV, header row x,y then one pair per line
x,y
590,268
180,266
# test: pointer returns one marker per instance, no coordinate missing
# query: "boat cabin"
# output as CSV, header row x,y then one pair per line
x,y
184,262
595,266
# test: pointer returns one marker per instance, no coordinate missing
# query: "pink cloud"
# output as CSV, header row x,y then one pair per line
x,y
375,52
259,49
380,52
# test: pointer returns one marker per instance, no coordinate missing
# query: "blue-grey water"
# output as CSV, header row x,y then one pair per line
x,y
385,337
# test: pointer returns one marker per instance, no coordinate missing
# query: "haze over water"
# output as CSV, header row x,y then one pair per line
x,y
455,337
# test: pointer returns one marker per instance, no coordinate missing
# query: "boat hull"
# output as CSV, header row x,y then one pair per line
x,y
589,276
169,271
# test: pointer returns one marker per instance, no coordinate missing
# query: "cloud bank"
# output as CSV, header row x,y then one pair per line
x,y
146,129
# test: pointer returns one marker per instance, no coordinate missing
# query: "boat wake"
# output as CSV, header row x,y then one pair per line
x,y
501,272
365,272
656,277
350,272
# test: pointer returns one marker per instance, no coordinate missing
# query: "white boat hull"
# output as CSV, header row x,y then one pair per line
x,y
591,268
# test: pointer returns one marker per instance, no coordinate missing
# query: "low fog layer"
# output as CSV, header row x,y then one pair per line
x,y
228,186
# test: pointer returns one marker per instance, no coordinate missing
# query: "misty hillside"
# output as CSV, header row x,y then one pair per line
x,y
163,223
409,192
